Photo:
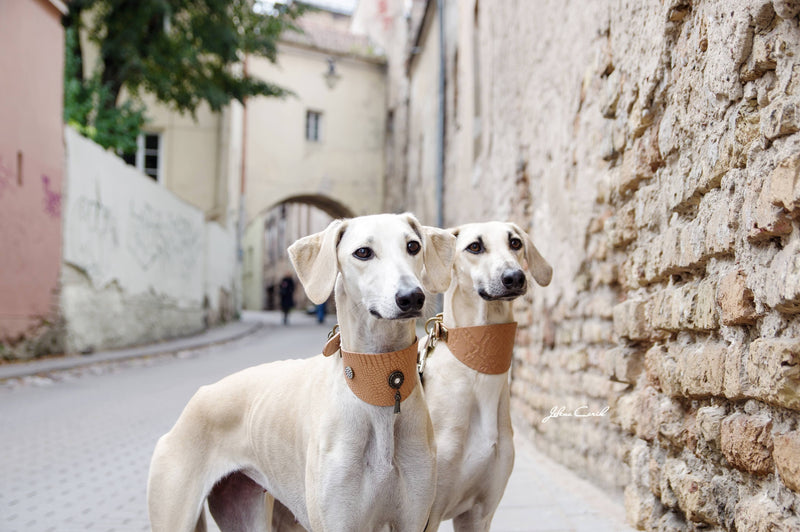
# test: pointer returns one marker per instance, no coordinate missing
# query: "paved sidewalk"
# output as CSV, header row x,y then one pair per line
x,y
79,438
544,496
216,335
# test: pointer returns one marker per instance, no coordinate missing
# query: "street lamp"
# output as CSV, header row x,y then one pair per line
x,y
331,76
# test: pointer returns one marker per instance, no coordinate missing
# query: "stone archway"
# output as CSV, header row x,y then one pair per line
x,y
266,238
332,207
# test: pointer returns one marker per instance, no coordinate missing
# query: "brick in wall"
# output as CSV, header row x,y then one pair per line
x,y
773,372
787,458
760,513
746,442
735,299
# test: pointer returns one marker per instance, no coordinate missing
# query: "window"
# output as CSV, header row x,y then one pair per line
x,y
147,158
313,126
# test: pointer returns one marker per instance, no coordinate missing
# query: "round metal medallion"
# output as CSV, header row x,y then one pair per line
x,y
396,379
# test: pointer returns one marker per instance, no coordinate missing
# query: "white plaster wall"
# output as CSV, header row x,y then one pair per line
x,y
253,265
133,262
221,271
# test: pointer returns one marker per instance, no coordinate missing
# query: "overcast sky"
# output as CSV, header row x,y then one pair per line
x,y
344,6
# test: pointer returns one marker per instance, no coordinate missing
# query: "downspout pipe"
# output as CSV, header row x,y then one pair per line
x,y
440,121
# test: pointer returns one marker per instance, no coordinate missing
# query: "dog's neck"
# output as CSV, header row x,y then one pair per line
x,y
361,332
465,308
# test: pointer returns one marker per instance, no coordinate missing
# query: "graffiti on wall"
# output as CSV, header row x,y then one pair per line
x,y
95,233
52,199
159,238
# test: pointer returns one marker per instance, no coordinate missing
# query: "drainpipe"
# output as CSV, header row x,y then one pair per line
x,y
240,222
440,122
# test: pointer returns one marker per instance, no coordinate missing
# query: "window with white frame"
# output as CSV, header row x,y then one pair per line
x,y
147,158
313,126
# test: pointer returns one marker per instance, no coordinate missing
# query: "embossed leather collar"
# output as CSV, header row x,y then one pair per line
x,y
484,348
380,379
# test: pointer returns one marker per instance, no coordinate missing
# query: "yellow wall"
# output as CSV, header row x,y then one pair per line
x,y
190,150
347,165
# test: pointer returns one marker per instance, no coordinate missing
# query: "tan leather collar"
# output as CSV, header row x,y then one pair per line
x,y
380,379
484,348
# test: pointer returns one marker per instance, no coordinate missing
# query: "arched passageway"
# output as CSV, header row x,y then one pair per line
x,y
265,262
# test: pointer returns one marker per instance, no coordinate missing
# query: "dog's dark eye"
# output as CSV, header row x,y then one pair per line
x,y
413,247
363,253
476,247
515,243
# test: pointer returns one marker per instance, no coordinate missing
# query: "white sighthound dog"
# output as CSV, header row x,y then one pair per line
x,y
469,404
294,428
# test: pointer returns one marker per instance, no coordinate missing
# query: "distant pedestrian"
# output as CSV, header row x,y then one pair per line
x,y
321,312
287,297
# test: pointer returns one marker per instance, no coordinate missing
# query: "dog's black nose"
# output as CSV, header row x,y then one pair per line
x,y
409,300
514,279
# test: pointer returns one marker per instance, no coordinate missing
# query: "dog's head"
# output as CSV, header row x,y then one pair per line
x,y
492,258
384,262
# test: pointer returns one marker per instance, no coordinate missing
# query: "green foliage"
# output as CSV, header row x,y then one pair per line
x,y
89,108
184,52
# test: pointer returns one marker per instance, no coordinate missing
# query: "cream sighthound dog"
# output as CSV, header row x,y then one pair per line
x,y
466,377
296,428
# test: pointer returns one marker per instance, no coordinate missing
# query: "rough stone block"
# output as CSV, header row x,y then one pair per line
x,y
786,9
702,369
621,229
761,514
787,458
773,372
690,307
761,60
728,46
782,117
666,311
631,320
639,505
690,248
671,521
763,14
719,219
693,491
733,384
662,369
636,413
610,95
735,299
783,293
624,364
709,424
769,220
673,424
746,442
704,310
784,184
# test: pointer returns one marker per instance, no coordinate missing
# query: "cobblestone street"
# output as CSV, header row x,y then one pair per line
x,y
77,443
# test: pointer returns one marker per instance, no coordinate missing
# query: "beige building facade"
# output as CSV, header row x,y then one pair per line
x,y
315,155
652,151
324,144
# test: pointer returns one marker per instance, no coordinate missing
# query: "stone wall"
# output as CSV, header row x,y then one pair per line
x,y
651,148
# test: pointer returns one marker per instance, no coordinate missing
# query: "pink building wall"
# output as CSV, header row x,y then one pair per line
x,y
31,136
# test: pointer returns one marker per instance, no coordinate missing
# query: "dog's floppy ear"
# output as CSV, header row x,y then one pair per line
x,y
542,272
438,252
314,260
